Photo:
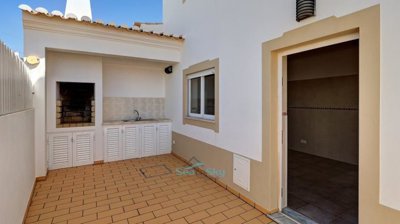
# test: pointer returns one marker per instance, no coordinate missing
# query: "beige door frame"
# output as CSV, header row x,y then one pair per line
x,y
367,23
282,103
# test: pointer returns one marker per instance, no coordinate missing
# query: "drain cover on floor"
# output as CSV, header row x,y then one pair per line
x,y
154,171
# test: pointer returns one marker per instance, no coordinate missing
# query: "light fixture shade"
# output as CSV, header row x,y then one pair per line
x,y
32,60
304,9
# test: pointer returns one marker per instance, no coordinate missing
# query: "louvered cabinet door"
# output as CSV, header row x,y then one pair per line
x,y
131,141
164,138
83,147
60,150
149,136
112,144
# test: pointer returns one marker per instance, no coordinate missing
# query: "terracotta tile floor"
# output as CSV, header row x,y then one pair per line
x,y
136,191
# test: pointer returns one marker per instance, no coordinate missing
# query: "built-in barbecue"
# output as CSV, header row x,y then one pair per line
x,y
75,104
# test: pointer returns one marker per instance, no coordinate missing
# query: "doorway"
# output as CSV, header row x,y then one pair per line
x,y
321,120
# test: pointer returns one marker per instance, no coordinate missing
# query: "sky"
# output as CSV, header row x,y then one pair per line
x,y
117,11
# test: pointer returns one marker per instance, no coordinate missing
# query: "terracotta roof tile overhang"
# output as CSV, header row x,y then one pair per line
x,y
85,20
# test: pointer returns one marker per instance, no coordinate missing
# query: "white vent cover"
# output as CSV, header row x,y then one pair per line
x,y
241,172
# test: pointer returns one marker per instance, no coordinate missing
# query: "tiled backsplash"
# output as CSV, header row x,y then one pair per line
x,y
121,108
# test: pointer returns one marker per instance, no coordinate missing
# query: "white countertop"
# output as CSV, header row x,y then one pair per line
x,y
144,121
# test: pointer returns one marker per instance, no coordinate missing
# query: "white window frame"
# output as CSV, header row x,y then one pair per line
x,y
201,74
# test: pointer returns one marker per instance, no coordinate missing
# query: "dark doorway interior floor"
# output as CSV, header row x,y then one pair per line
x,y
322,189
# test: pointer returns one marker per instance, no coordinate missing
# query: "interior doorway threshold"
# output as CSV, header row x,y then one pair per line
x,y
282,218
298,217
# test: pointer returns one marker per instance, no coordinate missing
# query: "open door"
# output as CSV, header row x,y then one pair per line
x,y
319,156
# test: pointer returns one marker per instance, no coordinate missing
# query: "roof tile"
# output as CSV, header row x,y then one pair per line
x,y
136,27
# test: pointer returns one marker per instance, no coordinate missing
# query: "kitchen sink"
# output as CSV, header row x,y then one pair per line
x,y
149,119
134,120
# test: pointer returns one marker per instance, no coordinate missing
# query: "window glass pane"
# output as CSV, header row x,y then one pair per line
x,y
195,91
209,94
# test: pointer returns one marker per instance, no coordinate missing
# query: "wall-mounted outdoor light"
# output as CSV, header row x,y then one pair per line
x,y
32,60
168,70
304,9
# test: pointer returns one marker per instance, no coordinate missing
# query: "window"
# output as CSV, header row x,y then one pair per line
x,y
201,98
200,95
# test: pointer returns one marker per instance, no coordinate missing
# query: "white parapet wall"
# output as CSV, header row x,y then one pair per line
x,y
17,161
15,83
17,164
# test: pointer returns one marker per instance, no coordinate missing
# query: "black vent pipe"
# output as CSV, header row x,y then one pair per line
x,y
304,9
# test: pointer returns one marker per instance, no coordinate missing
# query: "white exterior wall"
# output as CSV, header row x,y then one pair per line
x,y
39,88
66,67
390,107
17,173
133,78
233,31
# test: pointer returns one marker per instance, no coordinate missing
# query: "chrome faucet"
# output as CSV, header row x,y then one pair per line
x,y
138,118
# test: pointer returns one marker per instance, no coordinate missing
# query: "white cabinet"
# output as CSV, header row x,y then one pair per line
x,y
149,138
131,142
112,143
60,150
83,145
136,140
164,138
70,149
